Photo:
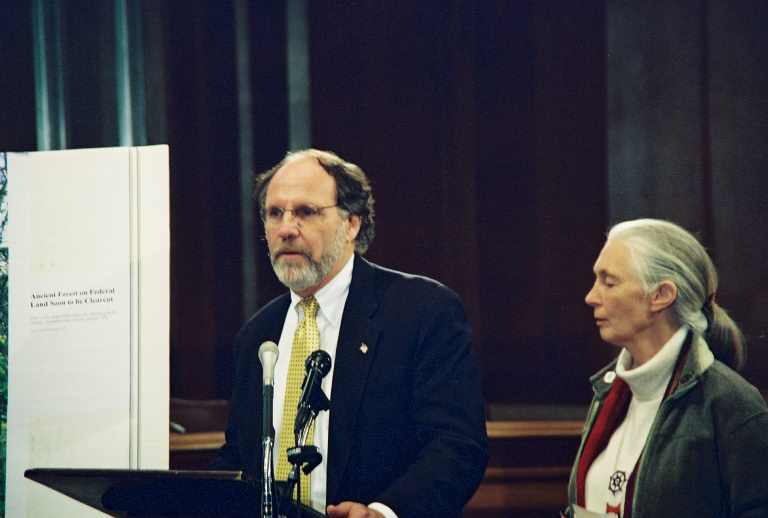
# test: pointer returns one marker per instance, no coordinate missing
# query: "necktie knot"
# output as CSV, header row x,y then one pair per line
x,y
310,306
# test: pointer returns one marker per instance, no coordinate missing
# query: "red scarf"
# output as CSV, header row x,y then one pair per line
x,y
610,417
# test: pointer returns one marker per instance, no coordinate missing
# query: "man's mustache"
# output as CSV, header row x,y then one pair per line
x,y
276,253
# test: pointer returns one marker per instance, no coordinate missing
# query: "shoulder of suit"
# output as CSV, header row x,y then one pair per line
x,y
266,315
394,279
277,305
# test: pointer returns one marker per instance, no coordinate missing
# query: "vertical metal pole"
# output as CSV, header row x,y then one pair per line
x,y
136,59
297,53
248,230
49,77
129,70
125,138
123,75
131,132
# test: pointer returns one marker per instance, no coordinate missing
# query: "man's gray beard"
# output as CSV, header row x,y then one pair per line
x,y
302,277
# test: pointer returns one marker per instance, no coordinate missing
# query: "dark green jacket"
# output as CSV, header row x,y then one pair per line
x,y
707,451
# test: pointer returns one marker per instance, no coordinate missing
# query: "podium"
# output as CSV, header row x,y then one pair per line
x,y
124,493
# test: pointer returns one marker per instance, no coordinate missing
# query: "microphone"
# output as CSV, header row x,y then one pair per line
x,y
268,357
312,399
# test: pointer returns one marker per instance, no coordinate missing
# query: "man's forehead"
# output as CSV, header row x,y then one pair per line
x,y
303,177
301,164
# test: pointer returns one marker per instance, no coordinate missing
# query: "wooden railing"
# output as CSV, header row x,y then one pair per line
x,y
194,450
527,476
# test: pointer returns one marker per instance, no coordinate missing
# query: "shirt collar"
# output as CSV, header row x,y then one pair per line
x,y
649,380
333,295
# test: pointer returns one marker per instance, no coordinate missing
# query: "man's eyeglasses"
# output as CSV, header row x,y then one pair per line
x,y
304,214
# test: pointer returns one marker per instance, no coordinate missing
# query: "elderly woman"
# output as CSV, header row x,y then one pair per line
x,y
673,430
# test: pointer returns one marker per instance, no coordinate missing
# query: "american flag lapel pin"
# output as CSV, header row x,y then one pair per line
x,y
364,348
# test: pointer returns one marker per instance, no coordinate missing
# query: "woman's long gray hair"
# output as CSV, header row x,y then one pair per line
x,y
664,251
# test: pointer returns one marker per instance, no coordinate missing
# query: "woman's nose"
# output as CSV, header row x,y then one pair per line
x,y
591,297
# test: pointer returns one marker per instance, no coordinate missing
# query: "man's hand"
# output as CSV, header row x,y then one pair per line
x,y
352,510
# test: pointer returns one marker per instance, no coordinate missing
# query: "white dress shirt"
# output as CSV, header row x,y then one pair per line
x,y
331,298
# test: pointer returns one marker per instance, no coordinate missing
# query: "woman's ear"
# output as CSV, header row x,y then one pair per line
x,y
663,296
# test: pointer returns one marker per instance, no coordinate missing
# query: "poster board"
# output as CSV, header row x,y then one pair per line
x,y
87,238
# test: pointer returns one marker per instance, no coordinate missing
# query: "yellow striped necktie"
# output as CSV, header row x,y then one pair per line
x,y
306,340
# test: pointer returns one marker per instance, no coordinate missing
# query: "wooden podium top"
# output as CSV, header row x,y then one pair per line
x,y
124,493
127,493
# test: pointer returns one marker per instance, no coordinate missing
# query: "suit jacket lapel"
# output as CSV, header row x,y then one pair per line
x,y
356,348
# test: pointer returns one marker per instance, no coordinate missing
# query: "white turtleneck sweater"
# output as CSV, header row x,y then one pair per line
x,y
607,477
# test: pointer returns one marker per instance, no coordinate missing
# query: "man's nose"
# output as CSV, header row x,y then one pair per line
x,y
288,226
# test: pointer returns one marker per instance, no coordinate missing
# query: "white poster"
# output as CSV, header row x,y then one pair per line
x,y
88,248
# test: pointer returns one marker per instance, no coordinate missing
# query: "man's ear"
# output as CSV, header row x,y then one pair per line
x,y
663,296
353,226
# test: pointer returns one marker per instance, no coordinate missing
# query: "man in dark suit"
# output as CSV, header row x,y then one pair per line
x,y
405,434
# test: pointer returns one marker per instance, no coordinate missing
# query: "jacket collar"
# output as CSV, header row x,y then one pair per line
x,y
699,359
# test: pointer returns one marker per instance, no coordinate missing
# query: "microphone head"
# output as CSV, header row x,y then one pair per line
x,y
319,360
268,357
312,398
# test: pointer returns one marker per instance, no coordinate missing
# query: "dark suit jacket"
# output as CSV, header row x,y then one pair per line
x,y
407,427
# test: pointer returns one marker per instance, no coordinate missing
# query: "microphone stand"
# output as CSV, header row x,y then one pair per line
x,y
308,456
268,495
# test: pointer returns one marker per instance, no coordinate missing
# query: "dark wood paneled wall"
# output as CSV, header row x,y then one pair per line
x,y
482,127
501,137
17,91
687,134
